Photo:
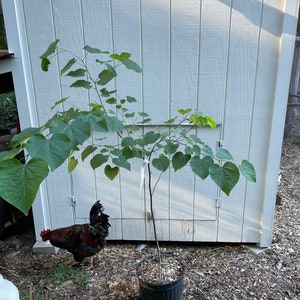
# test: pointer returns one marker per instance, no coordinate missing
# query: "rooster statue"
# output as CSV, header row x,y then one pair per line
x,y
82,240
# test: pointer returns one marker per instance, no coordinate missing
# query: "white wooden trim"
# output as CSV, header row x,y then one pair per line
x,y
281,95
20,67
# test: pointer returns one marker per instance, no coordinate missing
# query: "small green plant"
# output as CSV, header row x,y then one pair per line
x,y
82,278
8,112
269,251
63,273
25,296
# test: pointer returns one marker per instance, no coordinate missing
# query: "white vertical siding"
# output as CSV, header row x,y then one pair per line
x,y
271,27
214,43
241,70
220,56
126,31
215,22
156,47
40,29
185,21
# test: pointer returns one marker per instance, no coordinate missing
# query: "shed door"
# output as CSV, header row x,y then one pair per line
x,y
185,207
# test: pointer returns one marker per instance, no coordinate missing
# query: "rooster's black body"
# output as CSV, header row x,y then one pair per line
x,y
82,240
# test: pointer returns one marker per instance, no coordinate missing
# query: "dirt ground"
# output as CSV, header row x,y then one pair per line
x,y
213,271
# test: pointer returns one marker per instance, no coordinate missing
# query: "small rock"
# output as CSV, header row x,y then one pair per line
x,y
278,200
14,131
141,247
15,244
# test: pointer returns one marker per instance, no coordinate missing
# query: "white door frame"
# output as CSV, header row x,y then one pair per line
x,y
285,62
22,78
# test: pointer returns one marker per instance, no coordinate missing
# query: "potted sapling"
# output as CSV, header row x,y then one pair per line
x,y
174,145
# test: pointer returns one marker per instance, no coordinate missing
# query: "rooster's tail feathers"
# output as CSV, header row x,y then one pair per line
x,y
96,212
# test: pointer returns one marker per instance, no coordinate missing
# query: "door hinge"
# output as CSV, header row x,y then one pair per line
x,y
73,200
219,202
149,216
219,144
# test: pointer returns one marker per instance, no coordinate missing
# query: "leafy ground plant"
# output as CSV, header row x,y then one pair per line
x,y
25,296
63,273
8,112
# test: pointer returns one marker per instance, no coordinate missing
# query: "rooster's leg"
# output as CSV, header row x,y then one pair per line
x,y
91,264
68,262
72,263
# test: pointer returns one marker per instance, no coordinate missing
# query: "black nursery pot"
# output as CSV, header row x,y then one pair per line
x,y
160,291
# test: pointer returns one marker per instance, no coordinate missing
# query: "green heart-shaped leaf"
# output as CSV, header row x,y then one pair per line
x,y
161,163
51,49
130,99
121,161
201,166
44,57
226,177
81,83
4,155
105,77
128,141
26,133
45,64
87,151
98,160
22,190
206,150
184,111
72,164
224,154
110,172
151,137
68,65
54,150
248,171
77,131
179,160
93,50
77,73
131,65
112,124
170,148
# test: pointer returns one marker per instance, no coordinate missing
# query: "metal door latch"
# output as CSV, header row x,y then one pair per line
x,y
219,203
73,200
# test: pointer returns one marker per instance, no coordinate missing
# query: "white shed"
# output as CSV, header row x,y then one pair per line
x,y
229,58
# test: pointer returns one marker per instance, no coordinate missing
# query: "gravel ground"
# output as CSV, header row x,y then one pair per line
x,y
213,271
